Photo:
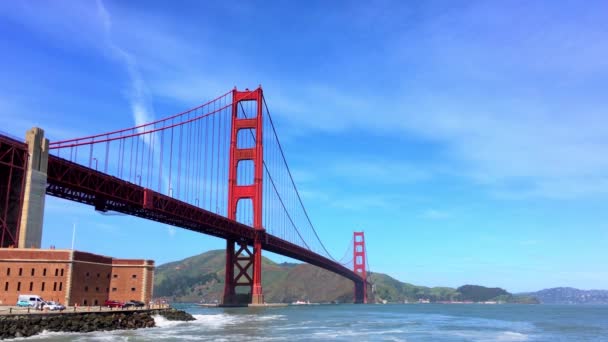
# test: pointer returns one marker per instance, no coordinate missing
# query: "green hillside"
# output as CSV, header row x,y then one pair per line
x,y
392,290
201,277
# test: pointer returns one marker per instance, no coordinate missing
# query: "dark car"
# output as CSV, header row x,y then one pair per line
x,y
135,303
113,304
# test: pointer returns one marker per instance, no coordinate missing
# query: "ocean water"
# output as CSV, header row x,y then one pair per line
x,y
407,322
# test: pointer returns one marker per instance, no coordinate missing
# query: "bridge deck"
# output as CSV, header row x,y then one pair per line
x,y
105,192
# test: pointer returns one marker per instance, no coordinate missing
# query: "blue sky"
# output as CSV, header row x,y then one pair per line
x,y
468,139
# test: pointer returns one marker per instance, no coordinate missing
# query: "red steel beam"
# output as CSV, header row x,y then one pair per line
x,y
13,162
85,185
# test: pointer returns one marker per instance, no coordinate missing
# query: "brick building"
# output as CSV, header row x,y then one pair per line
x,y
72,277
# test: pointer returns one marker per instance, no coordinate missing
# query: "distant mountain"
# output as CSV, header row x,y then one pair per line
x,y
201,277
569,295
476,293
392,290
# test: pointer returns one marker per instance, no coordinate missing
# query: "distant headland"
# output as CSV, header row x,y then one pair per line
x,y
200,279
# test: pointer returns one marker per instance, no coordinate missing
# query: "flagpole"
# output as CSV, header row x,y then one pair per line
x,y
73,235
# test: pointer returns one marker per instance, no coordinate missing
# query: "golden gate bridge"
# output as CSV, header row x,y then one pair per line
x,y
217,169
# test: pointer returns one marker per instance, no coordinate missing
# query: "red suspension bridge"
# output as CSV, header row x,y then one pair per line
x,y
217,169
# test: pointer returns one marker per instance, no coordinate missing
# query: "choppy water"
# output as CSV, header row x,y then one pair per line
x,y
414,322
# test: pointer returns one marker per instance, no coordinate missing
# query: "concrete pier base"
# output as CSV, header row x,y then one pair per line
x,y
30,230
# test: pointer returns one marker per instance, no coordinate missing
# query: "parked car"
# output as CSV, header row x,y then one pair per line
x,y
135,303
51,305
32,300
23,303
113,304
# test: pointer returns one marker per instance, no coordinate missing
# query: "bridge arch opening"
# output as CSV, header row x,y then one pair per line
x,y
244,211
247,109
245,138
245,172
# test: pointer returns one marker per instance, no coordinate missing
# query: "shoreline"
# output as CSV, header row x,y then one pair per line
x,y
29,324
6,310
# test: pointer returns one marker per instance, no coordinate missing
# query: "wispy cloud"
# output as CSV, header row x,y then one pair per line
x,y
517,108
138,93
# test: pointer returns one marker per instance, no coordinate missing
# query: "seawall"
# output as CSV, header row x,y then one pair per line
x,y
25,325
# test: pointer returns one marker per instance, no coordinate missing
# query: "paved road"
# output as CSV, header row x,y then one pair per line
x,y
15,310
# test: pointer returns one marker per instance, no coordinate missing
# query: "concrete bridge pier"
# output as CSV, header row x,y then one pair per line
x,y
30,230
360,293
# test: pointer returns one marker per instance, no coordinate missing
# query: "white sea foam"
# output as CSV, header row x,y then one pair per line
x,y
220,320
269,318
356,333
162,322
215,321
222,326
77,336
511,336
45,335
213,325
114,335
489,336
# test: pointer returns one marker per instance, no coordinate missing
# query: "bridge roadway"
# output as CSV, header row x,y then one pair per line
x,y
75,182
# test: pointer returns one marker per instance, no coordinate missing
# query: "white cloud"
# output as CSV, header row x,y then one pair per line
x,y
513,108
138,93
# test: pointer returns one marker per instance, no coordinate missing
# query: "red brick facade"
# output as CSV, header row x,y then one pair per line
x,y
72,276
131,279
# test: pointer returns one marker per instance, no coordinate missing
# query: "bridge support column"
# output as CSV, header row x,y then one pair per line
x,y
30,231
360,295
239,273
253,192
229,284
360,263
257,296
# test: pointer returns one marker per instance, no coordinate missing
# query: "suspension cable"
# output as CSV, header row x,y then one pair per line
x,y
293,183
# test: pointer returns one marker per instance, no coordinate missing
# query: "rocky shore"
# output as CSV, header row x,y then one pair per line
x,y
12,326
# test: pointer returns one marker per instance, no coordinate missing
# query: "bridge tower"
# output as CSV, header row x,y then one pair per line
x,y
30,231
359,264
244,267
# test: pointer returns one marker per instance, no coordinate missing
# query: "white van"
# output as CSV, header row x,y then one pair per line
x,y
32,300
